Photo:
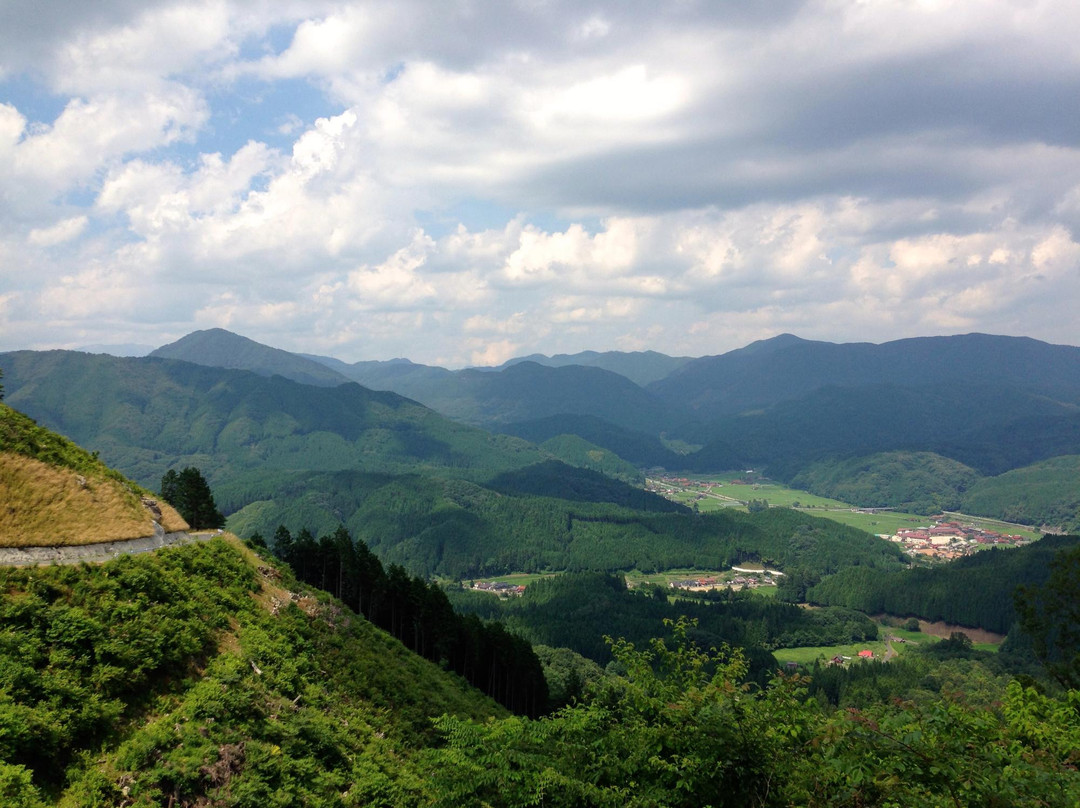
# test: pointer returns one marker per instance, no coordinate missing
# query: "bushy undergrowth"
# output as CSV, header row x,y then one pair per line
x,y
198,674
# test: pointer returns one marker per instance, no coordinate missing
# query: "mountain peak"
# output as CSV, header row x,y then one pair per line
x,y
216,347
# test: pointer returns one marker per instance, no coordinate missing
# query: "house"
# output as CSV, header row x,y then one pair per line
x,y
866,654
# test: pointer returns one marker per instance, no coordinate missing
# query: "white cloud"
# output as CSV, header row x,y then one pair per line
x,y
60,232
89,134
160,43
686,177
495,353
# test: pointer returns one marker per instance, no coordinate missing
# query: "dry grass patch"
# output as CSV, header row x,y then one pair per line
x,y
170,519
42,504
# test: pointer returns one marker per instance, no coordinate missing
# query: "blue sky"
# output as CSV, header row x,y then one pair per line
x,y
462,182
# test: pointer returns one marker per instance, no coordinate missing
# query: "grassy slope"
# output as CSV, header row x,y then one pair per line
x,y
202,675
56,493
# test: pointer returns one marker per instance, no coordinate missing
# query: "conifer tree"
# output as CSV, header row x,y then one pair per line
x,y
190,494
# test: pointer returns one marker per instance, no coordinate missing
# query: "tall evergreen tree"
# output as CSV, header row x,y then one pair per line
x,y
190,494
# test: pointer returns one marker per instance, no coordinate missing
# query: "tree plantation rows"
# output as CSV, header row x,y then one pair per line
x,y
498,663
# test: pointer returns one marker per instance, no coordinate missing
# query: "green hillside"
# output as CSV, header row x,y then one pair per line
x,y
203,675
458,529
972,591
145,416
576,451
917,482
1046,493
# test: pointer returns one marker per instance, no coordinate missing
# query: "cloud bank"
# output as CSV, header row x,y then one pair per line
x,y
462,182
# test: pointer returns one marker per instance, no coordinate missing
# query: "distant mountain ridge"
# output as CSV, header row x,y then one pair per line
x,y
787,367
149,414
640,367
992,403
217,347
519,391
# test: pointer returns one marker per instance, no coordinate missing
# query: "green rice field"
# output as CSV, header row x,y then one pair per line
x,y
733,489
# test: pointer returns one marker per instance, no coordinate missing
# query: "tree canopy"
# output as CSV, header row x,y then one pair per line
x,y
190,494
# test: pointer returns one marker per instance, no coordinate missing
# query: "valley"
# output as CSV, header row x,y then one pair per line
x,y
740,489
526,540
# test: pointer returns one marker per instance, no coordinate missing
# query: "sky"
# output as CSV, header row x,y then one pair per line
x,y
461,181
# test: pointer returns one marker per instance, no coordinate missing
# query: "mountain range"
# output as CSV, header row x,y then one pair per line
x,y
782,405
992,402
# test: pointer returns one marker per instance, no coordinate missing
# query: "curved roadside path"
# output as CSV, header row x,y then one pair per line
x,y
97,553
890,652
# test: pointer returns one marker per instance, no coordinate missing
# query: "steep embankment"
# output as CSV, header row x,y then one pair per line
x,y
196,675
203,675
55,493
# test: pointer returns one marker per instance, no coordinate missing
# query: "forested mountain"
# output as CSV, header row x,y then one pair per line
x,y
522,391
637,447
987,427
219,348
803,412
460,530
148,415
527,391
210,676
640,367
917,482
787,367
419,382
992,403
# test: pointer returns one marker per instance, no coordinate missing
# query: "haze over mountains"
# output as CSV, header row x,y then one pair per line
x,y
785,405
992,402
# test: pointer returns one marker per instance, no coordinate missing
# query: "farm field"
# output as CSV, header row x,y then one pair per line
x,y
634,579
912,639
733,489
513,578
807,654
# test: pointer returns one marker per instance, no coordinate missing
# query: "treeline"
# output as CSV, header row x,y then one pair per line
x,y
459,529
577,610
972,591
418,614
